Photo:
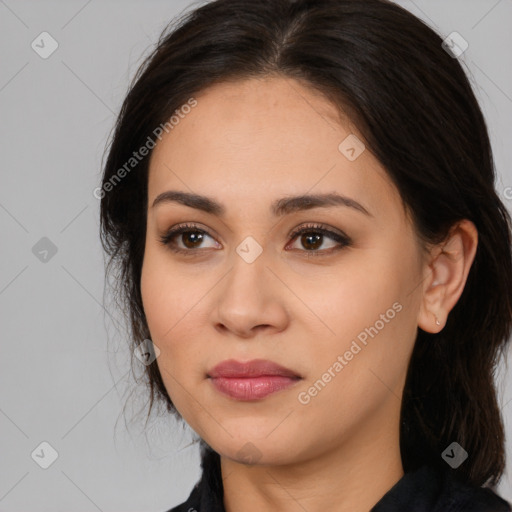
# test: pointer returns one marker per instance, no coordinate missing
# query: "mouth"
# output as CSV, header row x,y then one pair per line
x,y
252,380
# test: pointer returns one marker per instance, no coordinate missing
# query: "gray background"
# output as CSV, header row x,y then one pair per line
x,y
64,365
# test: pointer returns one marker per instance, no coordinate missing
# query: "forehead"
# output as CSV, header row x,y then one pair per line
x,y
264,137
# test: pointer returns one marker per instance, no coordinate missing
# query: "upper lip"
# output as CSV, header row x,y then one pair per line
x,y
254,368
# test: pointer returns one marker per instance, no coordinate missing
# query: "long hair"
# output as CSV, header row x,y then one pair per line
x,y
412,102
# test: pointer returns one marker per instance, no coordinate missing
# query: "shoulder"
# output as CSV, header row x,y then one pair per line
x,y
207,494
430,489
423,490
461,497
191,504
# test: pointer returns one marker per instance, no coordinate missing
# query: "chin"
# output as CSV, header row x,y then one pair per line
x,y
249,450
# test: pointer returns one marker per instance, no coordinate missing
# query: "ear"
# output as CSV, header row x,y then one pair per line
x,y
445,275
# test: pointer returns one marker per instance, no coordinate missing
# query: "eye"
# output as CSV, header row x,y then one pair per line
x,y
312,238
191,238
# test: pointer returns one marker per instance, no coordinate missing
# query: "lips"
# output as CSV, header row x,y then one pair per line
x,y
255,368
253,380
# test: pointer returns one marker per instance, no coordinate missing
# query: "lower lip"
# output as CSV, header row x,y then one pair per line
x,y
252,388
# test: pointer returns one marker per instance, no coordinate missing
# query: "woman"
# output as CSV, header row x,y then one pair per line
x,y
299,202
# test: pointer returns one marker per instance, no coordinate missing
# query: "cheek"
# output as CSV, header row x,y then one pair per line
x,y
348,300
167,294
172,306
366,317
358,371
163,311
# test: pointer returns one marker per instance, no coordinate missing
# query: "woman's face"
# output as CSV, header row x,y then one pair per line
x,y
340,311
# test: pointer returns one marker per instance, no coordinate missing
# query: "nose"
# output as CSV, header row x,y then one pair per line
x,y
250,299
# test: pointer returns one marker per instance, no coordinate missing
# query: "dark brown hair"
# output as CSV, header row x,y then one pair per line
x,y
415,108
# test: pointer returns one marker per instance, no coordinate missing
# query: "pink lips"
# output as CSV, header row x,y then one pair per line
x,y
252,380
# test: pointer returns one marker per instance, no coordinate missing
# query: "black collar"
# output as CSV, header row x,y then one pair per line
x,y
424,490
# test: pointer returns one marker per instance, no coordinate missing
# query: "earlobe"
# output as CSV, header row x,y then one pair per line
x,y
446,275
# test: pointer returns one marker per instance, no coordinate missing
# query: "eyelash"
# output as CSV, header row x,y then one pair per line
x,y
342,239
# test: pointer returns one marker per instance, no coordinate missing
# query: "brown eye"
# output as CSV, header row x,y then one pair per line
x,y
191,238
312,239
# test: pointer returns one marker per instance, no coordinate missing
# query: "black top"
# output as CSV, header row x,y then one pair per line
x,y
424,490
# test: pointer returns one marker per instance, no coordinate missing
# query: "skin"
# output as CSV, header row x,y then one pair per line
x,y
246,144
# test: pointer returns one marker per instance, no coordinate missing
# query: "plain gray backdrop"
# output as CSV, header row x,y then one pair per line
x,y
64,364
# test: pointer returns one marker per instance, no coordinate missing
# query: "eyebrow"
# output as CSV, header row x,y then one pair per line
x,y
279,207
